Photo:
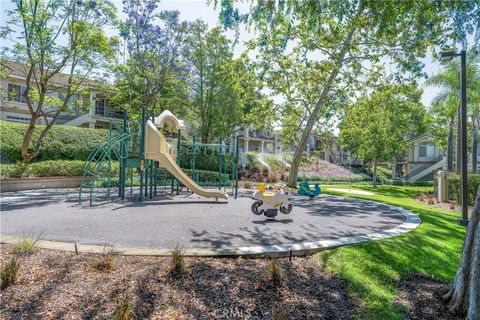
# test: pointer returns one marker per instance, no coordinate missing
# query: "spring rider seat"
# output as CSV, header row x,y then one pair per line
x,y
269,202
305,190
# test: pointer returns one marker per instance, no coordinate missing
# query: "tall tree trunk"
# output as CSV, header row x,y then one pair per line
x,y
374,175
473,312
451,137
297,156
464,296
474,142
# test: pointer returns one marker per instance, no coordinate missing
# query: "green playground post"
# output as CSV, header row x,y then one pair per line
x,y
194,152
150,196
179,154
219,164
142,153
109,165
235,168
123,158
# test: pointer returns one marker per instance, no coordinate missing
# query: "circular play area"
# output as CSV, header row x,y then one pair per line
x,y
198,225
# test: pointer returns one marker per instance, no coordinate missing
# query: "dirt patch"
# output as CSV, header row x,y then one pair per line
x,y
60,285
421,298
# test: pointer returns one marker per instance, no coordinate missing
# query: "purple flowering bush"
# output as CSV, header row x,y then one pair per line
x,y
320,170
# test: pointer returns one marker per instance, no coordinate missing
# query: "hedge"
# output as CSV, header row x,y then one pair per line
x,y
55,168
61,143
205,161
51,168
453,185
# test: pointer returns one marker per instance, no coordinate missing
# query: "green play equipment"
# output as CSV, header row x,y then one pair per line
x,y
120,163
306,190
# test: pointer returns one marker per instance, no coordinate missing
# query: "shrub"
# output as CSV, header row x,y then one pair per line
x,y
275,272
9,274
104,262
177,265
61,143
320,170
205,161
247,184
279,314
453,185
26,246
123,308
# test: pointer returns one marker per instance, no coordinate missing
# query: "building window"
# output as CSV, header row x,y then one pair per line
x,y
100,107
15,92
426,151
422,151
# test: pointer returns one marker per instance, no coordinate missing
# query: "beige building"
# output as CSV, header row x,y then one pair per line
x,y
422,160
259,141
13,107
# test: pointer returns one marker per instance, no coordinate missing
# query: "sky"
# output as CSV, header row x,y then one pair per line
x,y
191,10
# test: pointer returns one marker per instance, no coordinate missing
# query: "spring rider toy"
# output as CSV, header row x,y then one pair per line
x,y
305,190
269,202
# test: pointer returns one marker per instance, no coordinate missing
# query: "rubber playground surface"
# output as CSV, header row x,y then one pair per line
x,y
201,226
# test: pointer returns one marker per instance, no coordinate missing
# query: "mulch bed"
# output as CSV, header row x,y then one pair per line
x,y
62,285
421,297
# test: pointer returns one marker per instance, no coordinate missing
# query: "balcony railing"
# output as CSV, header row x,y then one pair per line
x,y
108,112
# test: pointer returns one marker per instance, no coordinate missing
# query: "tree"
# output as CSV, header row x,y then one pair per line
x,y
447,103
155,71
217,92
347,38
465,295
378,126
62,47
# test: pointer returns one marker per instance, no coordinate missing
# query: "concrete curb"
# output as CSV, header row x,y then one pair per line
x,y
412,221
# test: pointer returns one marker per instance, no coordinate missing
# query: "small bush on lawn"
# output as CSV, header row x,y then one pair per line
x,y
453,182
178,269
26,246
275,272
105,261
9,274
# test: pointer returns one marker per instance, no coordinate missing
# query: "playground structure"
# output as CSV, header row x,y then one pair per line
x,y
140,154
306,190
269,202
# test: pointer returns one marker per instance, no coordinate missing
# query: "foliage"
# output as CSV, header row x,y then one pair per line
x,y
372,270
155,73
62,46
26,246
105,262
279,314
378,126
61,142
320,170
222,88
318,54
123,307
445,104
42,169
275,272
453,187
9,274
178,269
207,161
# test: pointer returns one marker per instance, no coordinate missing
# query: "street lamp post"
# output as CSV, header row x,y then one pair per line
x,y
462,155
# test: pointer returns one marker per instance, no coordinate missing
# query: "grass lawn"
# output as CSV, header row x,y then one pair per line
x,y
373,270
